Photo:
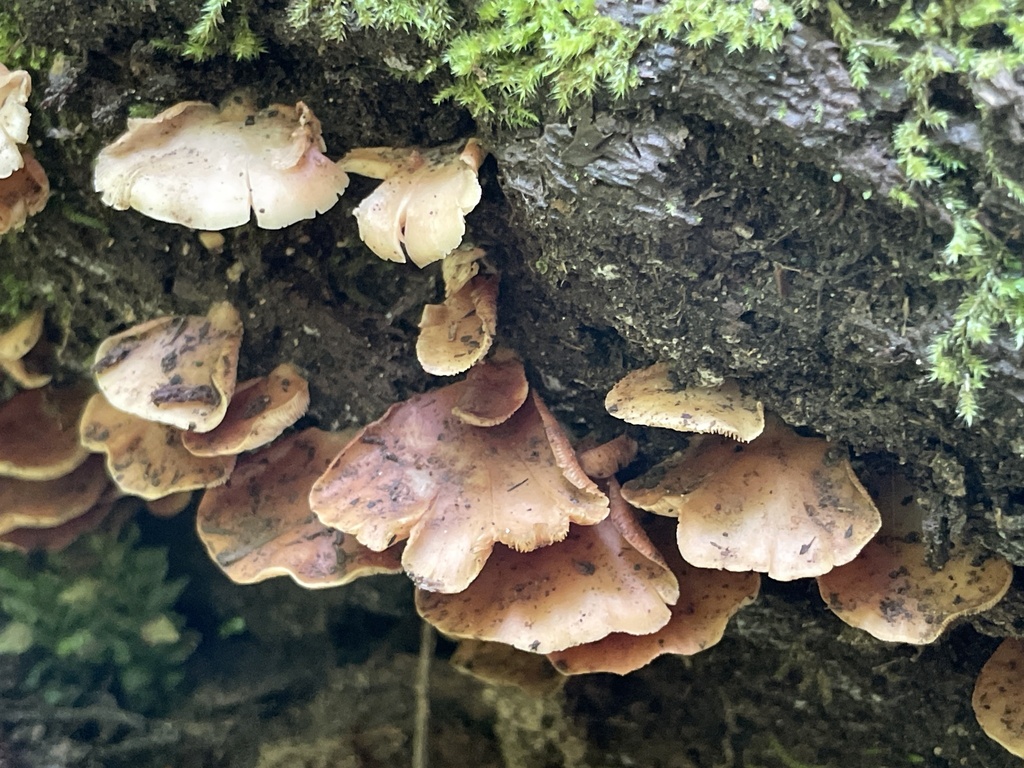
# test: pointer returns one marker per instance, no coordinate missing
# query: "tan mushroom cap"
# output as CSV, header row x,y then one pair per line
x,y
998,698
892,593
144,458
454,490
15,343
259,411
492,393
604,460
39,433
600,579
15,88
169,506
707,600
459,267
47,503
58,537
784,505
419,211
649,397
24,193
259,524
454,336
208,168
178,370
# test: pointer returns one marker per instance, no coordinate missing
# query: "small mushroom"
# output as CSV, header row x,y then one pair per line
x,y
457,334
15,88
459,267
57,537
208,168
23,193
454,490
604,460
144,458
492,392
784,505
998,698
259,411
419,211
259,524
39,430
178,370
15,344
48,503
649,397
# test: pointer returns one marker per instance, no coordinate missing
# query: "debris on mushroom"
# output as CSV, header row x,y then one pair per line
x,y
650,397
419,211
600,579
784,505
23,194
457,334
454,490
177,370
15,344
998,699
144,458
48,503
15,88
39,430
259,524
208,168
259,411
707,600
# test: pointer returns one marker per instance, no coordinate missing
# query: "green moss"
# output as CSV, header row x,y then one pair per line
x,y
16,297
16,51
99,617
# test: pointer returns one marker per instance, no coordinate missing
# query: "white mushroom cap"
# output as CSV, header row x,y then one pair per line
x,y
14,118
204,167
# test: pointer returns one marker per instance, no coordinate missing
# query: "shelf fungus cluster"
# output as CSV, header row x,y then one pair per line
x,y
24,187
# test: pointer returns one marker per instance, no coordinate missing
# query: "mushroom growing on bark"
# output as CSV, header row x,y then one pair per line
x,y
23,194
15,344
39,433
209,168
457,334
998,698
15,88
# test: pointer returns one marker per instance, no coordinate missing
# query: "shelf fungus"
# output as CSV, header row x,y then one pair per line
x,y
998,699
40,433
419,211
178,371
454,490
784,505
649,397
209,168
457,334
259,524
600,579
707,600
259,412
144,458
17,345
49,503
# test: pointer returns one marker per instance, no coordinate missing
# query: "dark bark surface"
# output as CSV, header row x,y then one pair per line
x,y
729,217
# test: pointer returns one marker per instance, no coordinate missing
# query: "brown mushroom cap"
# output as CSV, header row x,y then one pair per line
x,y
998,698
455,335
208,168
784,505
57,537
419,211
15,88
604,460
174,370
454,490
600,579
144,458
24,193
891,592
259,411
39,430
47,503
492,392
17,340
707,600
259,524
169,506
649,397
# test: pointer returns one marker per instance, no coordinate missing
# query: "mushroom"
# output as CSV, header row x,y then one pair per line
x,y
259,523
454,490
57,537
23,193
459,267
40,433
998,698
259,411
493,392
604,460
207,168
419,211
15,343
600,579
174,370
649,397
784,505
144,458
48,503
15,88
457,334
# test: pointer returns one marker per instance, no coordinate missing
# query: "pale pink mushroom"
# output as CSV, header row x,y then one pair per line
x,y
457,334
15,88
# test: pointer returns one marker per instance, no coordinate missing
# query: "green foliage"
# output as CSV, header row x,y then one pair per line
x,y
16,298
16,52
99,617
210,35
